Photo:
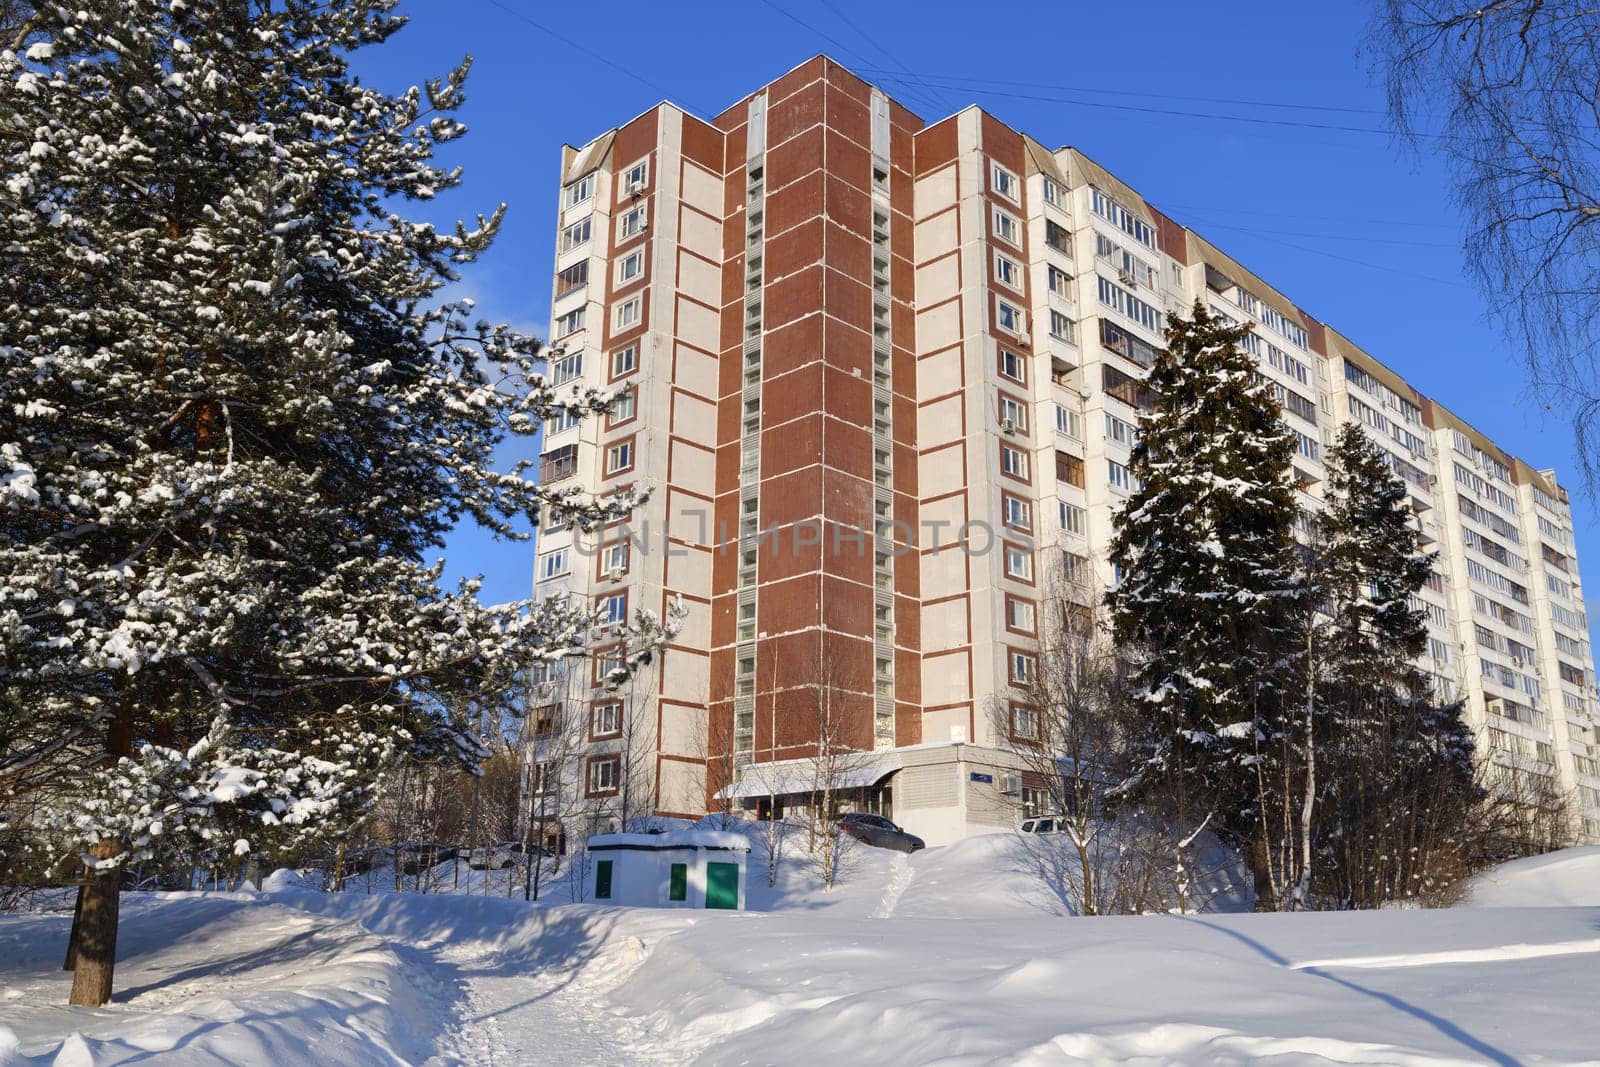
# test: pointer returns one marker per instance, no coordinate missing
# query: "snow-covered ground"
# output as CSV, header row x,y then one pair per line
x,y
950,955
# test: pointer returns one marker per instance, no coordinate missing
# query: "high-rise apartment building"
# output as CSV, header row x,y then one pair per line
x,y
852,342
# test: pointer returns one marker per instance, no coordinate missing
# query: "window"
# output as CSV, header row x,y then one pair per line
x,y
619,457
1069,469
1019,615
1006,228
1122,218
605,772
1024,723
635,178
628,313
631,222
572,279
560,421
1054,193
554,564
575,235
1119,431
1019,563
1013,413
1115,297
571,322
614,558
1024,666
1016,513
613,609
1121,477
1003,182
1069,422
624,361
631,267
605,720
1057,237
1014,461
608,666
1008,316
602,880
1006,272
1060,282
623,409
1062,327
1072,517
579,191
566,369
558,463
1012,366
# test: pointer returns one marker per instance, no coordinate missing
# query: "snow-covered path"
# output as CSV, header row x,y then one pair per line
x,y
903,962
510,1015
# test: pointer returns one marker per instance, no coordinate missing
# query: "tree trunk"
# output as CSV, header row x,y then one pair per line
x,y
97,932
1261,872
71,961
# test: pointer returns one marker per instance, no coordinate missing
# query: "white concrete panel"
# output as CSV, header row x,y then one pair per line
x,y
943,574
938,280
940,373
694,370
938,326
944,625
694,418
699,233
699,279
941,470
702,189
692,467
699,326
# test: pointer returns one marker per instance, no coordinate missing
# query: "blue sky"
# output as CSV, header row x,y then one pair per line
x,y
1359,232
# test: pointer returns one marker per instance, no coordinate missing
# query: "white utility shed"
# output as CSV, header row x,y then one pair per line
x,y
678,869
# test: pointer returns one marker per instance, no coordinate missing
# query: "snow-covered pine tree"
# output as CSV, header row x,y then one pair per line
x,y
1397,763
1209,588
235,415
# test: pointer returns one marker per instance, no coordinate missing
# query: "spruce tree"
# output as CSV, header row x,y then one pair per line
x,y
1397,761
1209,590
235,417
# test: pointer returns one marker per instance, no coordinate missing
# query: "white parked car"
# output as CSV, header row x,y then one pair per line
x,y
497,857
1043,824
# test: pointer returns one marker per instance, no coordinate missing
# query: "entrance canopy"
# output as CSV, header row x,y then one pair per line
x,y
801,776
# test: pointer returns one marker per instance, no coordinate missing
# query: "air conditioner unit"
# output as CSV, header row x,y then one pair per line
x,y
557,350
615,574
644,224
1011,784
636,188
1008,426
1022,337
1126,276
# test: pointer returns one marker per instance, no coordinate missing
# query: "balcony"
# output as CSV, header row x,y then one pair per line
x,y
558,464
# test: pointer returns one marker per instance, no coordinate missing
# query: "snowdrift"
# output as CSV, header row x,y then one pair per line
x,y
1568,878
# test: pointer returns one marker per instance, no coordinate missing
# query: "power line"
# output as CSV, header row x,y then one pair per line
x,y
1343,259
803,24
1172,112
942,99
666,94
1308,218
1149,96
1341,237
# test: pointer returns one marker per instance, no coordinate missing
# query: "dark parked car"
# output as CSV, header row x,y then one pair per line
x,y
879,832
418,856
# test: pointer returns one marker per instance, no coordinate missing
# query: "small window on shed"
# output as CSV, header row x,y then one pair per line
x,y
678,882
602,880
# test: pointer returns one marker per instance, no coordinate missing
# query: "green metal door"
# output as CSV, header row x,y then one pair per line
x,y
722,885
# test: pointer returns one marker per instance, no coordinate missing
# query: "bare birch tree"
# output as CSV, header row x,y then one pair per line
x,y
1507,91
